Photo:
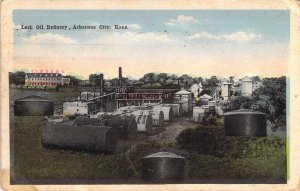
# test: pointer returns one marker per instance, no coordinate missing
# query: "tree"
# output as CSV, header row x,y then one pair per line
x,y
148,78
212,82
270,98
255,79
17,78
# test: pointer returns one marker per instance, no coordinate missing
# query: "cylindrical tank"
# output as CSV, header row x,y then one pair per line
x,y
245,123
176,107
196,113
99,139
157,117
125,125
32,106
163,167
168,112
144,123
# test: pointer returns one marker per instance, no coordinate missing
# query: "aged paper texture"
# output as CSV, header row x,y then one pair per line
x,y
150,95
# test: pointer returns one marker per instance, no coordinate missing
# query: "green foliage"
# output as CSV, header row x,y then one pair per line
x,y
270,98
210,120
234,157
17,78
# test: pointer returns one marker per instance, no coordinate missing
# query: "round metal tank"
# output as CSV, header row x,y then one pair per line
x,y
168,112
125,125
196,113
177,108
157,117
163,167
88,138
245,123
33,106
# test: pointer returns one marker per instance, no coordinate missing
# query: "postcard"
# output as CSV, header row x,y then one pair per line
x,y
148,95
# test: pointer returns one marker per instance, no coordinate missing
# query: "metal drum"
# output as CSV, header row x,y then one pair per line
x,y
99,139
163,167
32,106
245,123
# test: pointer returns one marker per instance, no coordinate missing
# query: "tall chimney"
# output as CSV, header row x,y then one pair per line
x,y
101,84
120,76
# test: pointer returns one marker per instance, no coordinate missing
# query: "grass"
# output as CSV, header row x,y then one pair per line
x,y
245,160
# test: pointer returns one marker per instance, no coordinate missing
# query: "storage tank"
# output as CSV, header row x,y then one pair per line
x,y
144,121
177,108
33,105
168,112
99,139
125,125
163,167
198,112
245,122
157,117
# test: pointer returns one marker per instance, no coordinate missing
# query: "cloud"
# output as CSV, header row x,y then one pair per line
x,y
48,38
241,37
134,26
130,37
181,19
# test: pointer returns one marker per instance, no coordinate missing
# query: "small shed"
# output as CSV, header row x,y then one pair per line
x,y
204,99
33,106
185,98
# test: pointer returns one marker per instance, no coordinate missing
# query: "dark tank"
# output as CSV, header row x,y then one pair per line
x,y
245,122
33,106
163,167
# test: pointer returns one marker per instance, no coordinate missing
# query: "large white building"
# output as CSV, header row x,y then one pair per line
x,y
45,79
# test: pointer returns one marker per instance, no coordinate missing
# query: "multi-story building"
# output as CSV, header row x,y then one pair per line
x,y
44,79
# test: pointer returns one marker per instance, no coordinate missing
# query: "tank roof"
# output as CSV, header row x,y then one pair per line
x,y
163,155
206,96
33,98
246,79
244,111
183,92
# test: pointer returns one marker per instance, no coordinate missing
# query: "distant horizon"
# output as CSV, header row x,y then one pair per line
x,y
131,78
193,42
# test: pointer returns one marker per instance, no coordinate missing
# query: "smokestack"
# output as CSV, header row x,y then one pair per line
x,y
101,84
120,76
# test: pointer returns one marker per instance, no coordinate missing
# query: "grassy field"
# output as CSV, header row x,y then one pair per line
x,y
220,160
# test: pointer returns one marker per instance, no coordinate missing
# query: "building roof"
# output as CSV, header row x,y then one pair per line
x,y
246,79
48,75
183,92
33,98
205,96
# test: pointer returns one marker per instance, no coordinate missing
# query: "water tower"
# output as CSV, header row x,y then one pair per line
x,y
247,86
225,90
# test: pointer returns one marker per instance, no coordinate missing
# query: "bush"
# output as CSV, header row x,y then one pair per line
x,y
210,120
214,142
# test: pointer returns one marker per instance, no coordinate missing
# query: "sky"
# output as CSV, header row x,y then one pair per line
x,y
194,42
